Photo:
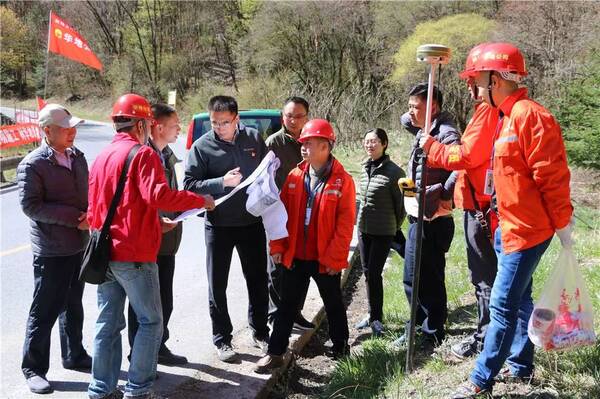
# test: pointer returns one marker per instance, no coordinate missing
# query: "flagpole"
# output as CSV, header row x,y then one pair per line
x,y
47,53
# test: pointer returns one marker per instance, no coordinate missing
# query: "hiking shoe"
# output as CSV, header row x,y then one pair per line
x,y
261,344
268,363
226,353
506,376
377,328
83,362
338,351
364,323
464,349
302,324
39,384
149,395
168,358
469,390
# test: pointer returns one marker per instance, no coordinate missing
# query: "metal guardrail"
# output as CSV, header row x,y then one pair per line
x,y
8,163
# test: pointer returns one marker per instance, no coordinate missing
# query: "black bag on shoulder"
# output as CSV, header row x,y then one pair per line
x,y
97,253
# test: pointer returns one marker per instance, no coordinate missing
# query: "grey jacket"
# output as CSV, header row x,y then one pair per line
x,y
171,239
440,182
381,201
210,158
287,149
53,197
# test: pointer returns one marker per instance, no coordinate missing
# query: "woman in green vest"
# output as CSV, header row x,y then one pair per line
x,y
380,217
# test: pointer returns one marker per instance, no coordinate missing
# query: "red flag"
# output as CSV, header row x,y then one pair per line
x,y
40,103
67,42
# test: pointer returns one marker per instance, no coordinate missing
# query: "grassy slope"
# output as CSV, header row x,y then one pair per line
x,y
376,371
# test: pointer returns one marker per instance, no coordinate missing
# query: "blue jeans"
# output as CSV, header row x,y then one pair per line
x,y
510,308
138,282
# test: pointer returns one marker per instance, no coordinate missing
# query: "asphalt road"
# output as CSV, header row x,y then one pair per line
x,y
190,322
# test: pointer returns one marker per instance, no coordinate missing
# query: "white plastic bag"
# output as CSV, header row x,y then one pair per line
x,y
563,317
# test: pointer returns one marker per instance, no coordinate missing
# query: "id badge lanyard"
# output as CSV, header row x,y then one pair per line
x,y
310,199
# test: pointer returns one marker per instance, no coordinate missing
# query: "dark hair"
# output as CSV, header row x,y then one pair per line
x,y
420,91
297,100
381,135
223,104
161,110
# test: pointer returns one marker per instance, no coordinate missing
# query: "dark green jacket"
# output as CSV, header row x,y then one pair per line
x,y
287,149
381,202
171,239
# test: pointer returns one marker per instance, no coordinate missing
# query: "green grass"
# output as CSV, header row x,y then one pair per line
x,y
377,371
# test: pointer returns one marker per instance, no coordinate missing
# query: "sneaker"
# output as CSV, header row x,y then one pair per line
x,y
364,323
470,390
465,348
506,376
168,358
83,362
149,395
399,343
377,328
226,353
302,324
261,344
39,384
268,363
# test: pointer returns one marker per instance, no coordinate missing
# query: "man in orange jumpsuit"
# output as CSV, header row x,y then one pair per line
x,y
532,198
472,158
319,197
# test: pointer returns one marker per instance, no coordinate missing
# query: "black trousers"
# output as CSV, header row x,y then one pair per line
x,y
166,271
482,262
294,281
250,243
275,289
437,237
57,295
374,250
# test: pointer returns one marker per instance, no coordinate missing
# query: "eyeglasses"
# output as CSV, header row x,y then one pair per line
x,y
373,142
221,124
297,116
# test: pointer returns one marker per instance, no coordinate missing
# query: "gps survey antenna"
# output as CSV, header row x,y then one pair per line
x,y
434,55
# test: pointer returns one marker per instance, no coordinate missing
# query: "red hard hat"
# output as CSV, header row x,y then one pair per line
x,y
132,106
317,128
474,53
500,57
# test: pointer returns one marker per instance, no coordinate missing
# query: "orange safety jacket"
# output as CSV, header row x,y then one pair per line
x,y
531,175
336,215
473,154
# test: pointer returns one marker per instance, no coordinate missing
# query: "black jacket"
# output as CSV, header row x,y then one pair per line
x,y
207,162
171,239
53,197
440,182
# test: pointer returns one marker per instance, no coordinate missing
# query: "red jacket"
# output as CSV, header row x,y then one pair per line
x,y
531,175
135,229
473,154
337,211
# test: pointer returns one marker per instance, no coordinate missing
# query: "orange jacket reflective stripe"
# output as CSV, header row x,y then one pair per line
x,y
531,175
337,212
473,154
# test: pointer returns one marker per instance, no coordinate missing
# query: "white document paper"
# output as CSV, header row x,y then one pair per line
x,y
246,182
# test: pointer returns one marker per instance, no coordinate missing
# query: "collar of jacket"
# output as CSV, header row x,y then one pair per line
x,y
384,159
509,102
166,152
48,152
235,135
287,133
335,168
